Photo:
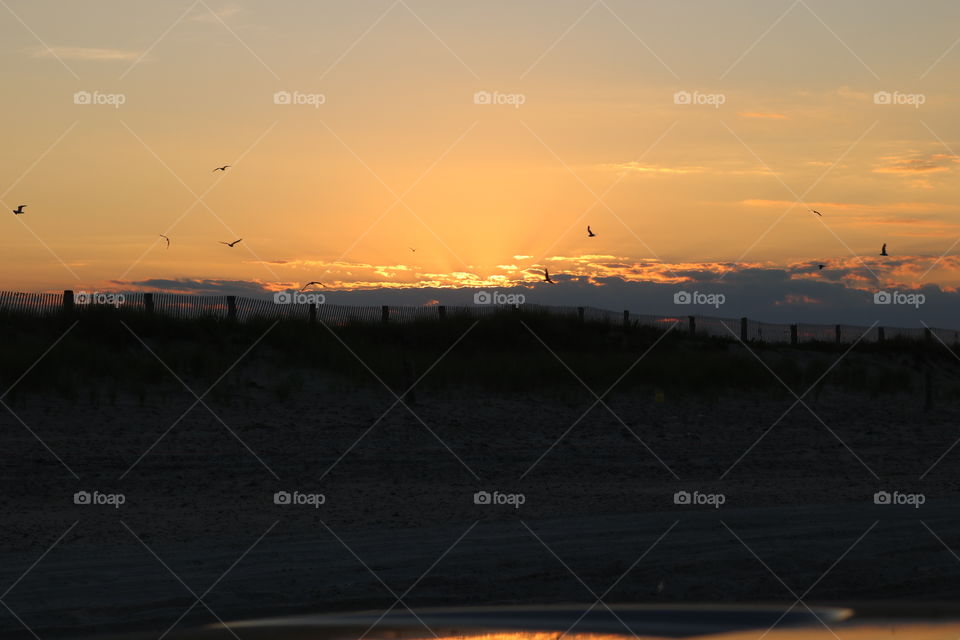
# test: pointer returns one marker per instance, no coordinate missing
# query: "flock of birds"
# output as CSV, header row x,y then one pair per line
x,y
546,272
20,211
883,249
591,234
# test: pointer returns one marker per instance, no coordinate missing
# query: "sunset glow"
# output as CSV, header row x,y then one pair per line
x,y
444,130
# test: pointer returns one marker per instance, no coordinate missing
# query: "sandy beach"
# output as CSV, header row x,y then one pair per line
x,y
398,504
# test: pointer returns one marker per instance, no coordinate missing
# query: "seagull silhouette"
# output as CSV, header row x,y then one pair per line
x,y
817,212
223,168
590,233
546,276
821,266
167,239
19,210
314,282
883,251
412,249
230,244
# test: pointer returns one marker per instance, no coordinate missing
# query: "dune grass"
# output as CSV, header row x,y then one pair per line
x,y
99,354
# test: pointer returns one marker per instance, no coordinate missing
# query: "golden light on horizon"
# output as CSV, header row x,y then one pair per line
x,y
368,155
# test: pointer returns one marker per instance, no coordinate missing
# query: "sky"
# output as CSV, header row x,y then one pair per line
x,y
419,151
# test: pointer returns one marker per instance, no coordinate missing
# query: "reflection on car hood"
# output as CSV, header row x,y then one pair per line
x,y
593,622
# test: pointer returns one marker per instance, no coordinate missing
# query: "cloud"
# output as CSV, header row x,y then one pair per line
x,y
771,116
390,271
917,169
852,94
917,163
795,298
932,217
598,276
85,53
797,293
637,167
213,16
656,169
824,163
192,286
914,207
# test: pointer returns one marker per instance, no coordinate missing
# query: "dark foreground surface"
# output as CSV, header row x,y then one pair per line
x,y
388,516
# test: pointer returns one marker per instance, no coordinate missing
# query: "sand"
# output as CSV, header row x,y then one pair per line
x,y
399,506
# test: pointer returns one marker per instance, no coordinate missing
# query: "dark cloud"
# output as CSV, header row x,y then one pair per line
x,y
770,295
186,285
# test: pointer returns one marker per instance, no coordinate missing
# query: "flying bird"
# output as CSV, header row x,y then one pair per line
x,y
314,282
821,266
883,251
412,249
19,210
817,212
546,276
223,168
230,244
590,233
167,239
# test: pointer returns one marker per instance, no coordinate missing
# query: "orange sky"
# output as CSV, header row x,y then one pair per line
x,y
684,136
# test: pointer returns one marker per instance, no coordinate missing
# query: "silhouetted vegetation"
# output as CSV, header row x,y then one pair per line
x,y
99,353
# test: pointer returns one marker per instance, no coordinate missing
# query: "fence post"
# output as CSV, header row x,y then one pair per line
x,y
68,301
743,329
794,338
232,308
313,313
148,303
442,311
626,318
839,334
693,325
580,314
384,314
